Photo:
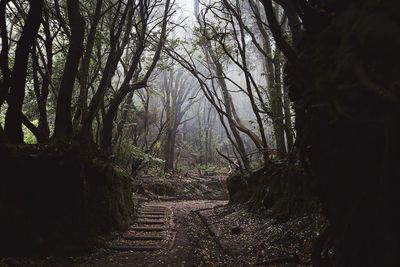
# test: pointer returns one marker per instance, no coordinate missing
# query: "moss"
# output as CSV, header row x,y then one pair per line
x,y
111,191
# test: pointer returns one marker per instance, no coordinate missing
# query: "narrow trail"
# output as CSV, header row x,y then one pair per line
x,y
198,233
161,236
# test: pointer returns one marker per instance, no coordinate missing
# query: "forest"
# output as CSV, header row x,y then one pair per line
x,y
199,133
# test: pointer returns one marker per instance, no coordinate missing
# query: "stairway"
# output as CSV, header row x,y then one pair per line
x,y
152,231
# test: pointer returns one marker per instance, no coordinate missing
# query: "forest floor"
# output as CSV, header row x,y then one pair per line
x,y
197,231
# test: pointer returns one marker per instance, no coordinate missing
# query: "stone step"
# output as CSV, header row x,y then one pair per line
x,y
151,213
155,207
146,218
147,209
150,222
152,210
146,228
143,237
150,217
134,248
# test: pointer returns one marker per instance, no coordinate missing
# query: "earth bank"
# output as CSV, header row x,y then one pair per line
x,y
59,199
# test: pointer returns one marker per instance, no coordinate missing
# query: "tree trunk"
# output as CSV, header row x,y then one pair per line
x,y
84,69
228,106
168,164
124,116
293,20
227,99
171,153
46,79
13,121
5,70
109,70
200,132
288,119
126,87
206,142
63,123
252,100
273,71
278,113
41,97
276,31
108,120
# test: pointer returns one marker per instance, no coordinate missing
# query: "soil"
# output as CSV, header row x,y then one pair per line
x,y
200,233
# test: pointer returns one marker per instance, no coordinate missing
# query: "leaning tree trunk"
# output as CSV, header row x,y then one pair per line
x,y
15,99
239,145
228,107
41,97
63,123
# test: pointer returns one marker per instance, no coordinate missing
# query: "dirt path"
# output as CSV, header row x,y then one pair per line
x,y
178,248
199,233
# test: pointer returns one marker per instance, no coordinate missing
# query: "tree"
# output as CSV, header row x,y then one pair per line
x,y
346,107
126,87
15,83
179,95
64,59
63,123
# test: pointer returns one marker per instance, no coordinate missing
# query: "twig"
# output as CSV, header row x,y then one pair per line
x,y
228,159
